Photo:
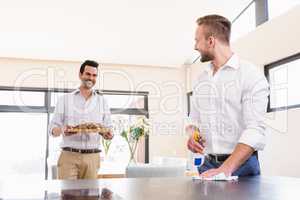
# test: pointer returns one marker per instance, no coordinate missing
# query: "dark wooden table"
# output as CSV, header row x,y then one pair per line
x,y
254,188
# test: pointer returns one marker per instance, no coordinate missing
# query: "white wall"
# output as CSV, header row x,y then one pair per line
x,y
166,86
272,41
125,32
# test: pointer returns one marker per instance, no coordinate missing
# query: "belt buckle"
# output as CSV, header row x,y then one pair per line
x,y
216,159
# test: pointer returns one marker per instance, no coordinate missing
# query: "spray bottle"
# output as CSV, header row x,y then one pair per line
x,y
197,158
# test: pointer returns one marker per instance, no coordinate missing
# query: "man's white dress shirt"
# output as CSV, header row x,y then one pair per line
x,y
229,107
73,109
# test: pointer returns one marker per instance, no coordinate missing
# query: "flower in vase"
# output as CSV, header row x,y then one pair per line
x,y
133,134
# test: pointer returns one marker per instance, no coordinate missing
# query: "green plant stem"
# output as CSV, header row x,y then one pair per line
x,y
130,148
135,146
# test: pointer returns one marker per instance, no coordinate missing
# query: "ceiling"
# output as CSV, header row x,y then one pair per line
x,y
137,32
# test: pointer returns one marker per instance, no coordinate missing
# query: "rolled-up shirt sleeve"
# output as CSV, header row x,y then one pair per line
x,y
254,105
58,117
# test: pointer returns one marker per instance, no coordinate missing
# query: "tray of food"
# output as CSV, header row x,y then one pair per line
x,y
89,128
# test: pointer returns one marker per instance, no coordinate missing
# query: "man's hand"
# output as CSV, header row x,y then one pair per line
x,y
238,157
212,172
68,131
196,147
57,131
108,135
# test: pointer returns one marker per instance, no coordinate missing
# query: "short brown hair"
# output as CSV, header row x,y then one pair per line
x,y
216,25
89,63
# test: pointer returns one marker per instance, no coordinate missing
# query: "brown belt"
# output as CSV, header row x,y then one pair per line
x,y
81,150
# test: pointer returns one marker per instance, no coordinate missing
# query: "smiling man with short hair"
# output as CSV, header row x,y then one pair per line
x,y
229,102
80,156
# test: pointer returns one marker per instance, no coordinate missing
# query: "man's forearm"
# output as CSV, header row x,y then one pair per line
x,y
239,156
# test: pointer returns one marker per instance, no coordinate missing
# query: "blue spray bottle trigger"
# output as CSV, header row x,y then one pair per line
x,y
198,161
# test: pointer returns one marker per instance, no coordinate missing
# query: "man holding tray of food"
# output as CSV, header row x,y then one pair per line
x,y
229,102
82,118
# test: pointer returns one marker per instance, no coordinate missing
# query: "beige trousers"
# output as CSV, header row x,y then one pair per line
x,y
73,165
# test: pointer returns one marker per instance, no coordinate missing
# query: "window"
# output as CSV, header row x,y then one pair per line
x,y
22,98
277,8
189,95
245,23
55,96
125,101
119,152
283,78
125,108
23,145
25,113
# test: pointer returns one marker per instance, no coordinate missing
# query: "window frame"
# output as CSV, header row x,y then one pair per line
x,y
273,65
189,95
47,108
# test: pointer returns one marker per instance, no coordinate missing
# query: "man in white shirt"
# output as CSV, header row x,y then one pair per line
x,y
80,156
228,104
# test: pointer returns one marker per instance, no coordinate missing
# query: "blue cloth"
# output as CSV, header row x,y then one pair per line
x,y
249,168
